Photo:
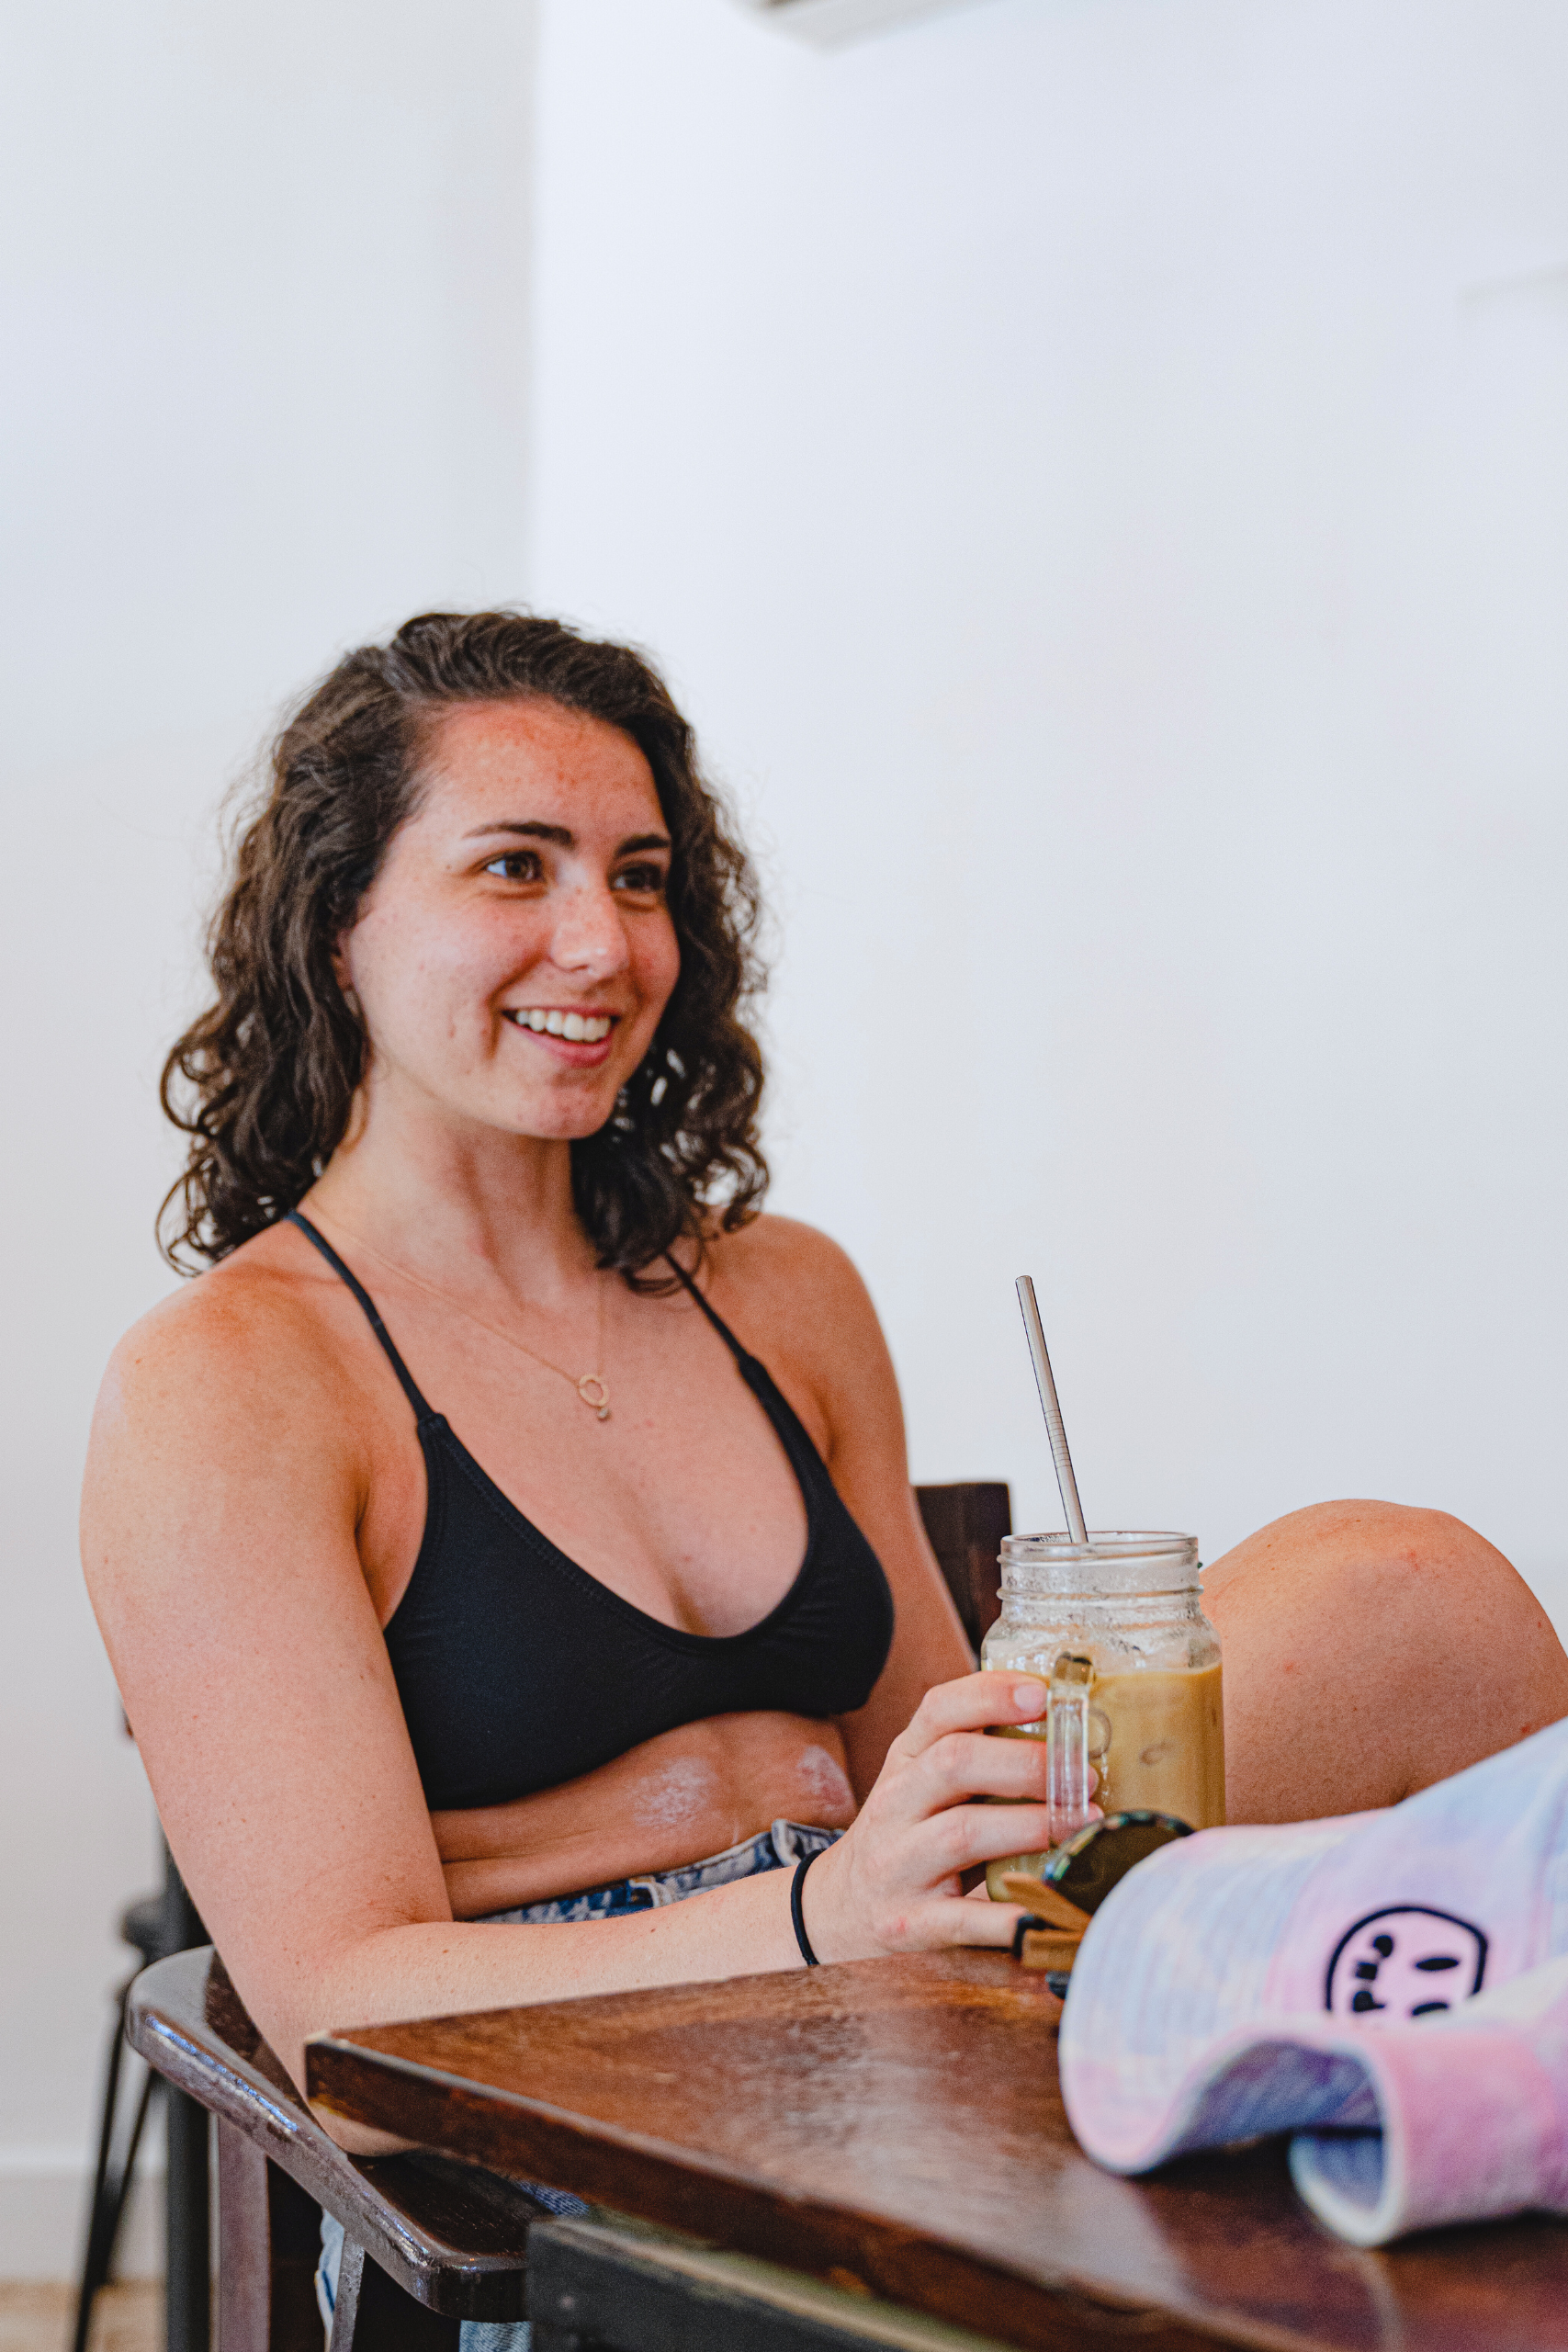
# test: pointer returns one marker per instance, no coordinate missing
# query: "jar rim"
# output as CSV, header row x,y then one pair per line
x,y
1113,1559
1115,1543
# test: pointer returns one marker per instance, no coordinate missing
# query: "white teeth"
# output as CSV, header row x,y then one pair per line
x,y
584,1028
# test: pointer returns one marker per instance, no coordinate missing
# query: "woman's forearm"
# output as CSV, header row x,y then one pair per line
x,y
440,1968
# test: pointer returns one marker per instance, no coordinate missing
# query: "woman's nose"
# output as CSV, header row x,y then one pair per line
x,y
589,934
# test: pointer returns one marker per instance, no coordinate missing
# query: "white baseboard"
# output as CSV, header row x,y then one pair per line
x,y
43,2214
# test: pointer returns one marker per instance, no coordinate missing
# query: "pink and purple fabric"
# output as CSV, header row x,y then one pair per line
x,y
1389,1988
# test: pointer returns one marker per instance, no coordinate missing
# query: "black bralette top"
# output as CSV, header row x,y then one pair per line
x,y
518,1670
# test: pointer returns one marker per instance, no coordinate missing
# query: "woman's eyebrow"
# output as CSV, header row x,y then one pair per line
x,y
561,835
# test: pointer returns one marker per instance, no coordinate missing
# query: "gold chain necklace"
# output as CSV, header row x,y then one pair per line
x,y
598,1402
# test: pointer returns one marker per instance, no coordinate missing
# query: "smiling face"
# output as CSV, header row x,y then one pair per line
x,y
1407,1961
516,950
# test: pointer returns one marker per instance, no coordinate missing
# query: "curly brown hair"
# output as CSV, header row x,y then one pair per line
x,y
264,1080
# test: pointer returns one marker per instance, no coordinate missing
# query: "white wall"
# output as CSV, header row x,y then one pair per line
x,y
1097,471
265,306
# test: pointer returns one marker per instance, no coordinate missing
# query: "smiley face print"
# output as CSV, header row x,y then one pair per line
x,y
1407,1961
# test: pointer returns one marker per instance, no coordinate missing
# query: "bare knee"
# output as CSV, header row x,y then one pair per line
x,y
1402,1536
1317,1539
1372,1648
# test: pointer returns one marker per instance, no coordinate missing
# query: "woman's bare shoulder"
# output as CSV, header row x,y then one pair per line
x,y
246,1337
777,1261
223,1444
797,1298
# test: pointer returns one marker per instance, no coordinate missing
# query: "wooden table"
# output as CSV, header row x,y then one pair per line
x,y
895,2128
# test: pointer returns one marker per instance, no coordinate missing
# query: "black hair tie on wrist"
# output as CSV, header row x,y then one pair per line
x,y
797,1917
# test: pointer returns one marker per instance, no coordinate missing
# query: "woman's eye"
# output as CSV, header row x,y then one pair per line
x,y
516,866
647,879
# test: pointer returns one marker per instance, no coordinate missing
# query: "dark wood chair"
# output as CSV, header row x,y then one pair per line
x,y
428,2244
964,1525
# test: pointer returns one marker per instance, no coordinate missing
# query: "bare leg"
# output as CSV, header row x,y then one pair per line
x,y
1370,1649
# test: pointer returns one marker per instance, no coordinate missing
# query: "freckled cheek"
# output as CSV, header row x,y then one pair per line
x,y
454,976
656,963
399,948
438,1000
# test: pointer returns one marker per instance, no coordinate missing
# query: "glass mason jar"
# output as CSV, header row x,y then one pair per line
x,y
1116,1628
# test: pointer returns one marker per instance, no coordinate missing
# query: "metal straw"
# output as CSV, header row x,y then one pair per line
x,y
1051,1410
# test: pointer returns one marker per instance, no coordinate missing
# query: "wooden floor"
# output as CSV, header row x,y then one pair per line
x,y
38,2317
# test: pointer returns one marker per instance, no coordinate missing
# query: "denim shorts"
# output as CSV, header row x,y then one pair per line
x,y
772,1849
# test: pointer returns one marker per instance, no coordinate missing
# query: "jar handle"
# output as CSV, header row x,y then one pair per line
x,y
1070,1777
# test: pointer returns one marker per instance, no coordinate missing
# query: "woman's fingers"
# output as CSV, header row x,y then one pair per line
x,y
955,1920
960,1766
967,1764
907,1896
973,1703
894,1883
966,1835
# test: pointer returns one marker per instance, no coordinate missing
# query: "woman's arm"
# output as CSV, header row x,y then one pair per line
x,y
807,1312
225,1485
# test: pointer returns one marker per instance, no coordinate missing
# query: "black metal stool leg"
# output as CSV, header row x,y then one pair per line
x,y
188,2226
157,1927
111,2181
102,2213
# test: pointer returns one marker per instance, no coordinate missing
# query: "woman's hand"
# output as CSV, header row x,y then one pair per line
x,y
895,1881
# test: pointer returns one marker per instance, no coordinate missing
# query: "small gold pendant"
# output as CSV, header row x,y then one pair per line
x,y
601,1403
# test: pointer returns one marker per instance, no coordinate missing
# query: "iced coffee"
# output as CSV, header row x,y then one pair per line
x,y
1116,1630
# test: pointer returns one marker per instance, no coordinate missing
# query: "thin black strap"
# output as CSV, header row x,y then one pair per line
x,y
719,1325
792,1434
424,1411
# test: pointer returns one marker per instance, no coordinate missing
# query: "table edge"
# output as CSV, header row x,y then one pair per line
x,y
764,2216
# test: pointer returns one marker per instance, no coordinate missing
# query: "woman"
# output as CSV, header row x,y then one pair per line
x,y
473,1123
